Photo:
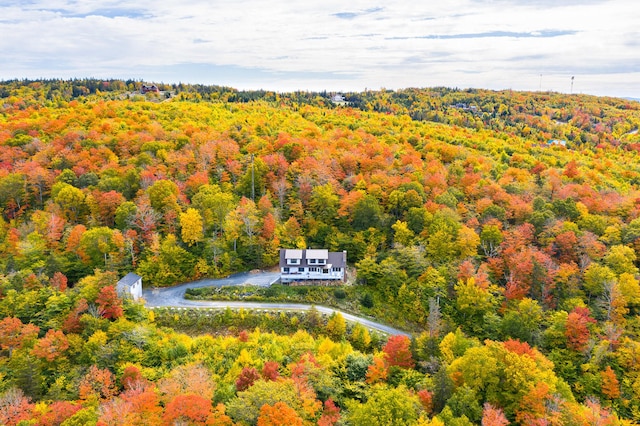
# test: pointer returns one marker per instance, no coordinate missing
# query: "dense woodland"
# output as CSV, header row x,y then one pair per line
x,y
513,259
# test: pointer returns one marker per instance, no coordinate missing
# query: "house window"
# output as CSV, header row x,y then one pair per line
x,y
322,261
313,269
336,269
300,269
325,271
293,261
312,261
285,270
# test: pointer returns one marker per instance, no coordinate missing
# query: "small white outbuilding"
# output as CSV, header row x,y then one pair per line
x,y
130,286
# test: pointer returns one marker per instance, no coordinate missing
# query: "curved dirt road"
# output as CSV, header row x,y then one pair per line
x,y
174,297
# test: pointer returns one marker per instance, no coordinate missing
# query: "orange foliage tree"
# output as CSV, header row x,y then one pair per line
x,y
14,334
397,352
377,371
51,346
189,379
280,414
98,382
610,383
187,409
492,416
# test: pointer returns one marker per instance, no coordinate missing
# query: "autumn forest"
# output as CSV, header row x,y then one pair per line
x,y
500,230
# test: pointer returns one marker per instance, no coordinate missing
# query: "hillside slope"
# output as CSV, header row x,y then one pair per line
x,y
502,227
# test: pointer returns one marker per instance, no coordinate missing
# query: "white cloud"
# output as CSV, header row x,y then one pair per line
x,y
286,45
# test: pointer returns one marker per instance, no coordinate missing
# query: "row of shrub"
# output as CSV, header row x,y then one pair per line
x,y
197,321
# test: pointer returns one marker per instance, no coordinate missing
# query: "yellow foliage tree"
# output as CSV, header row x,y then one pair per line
x,y
192,226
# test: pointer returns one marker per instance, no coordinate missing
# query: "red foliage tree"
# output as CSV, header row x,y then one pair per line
x,y
576,328
13,240
14,407
270,370
247,378
301,369
113,412
330,414
72,321
146,219
104,205
466,270
397,352
59,281
531,273
537,169
565,247
109,303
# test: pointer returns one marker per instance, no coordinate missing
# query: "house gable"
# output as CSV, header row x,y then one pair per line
x,y
312,264
292,257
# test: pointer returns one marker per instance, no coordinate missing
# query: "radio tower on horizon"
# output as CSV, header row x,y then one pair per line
x,y
572,77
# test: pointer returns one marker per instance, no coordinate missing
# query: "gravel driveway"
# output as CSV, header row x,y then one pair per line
x,y
174,297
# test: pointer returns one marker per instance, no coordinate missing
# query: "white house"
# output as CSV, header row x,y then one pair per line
x,y
559,142
338,99
130,286
312,264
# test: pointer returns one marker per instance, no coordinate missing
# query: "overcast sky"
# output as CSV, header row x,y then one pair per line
x,y
330,45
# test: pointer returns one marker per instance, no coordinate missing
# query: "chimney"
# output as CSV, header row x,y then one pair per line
x,y
344,259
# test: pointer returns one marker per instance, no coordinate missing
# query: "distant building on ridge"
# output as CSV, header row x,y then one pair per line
x,y
146,89
338,99
559,142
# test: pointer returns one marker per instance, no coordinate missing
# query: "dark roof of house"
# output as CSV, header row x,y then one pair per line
x,y
335,259
129,279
